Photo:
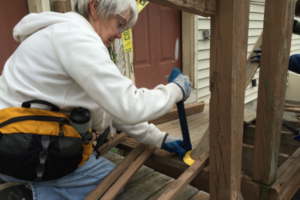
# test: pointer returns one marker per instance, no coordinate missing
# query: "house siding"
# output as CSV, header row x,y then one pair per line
x,y
255,28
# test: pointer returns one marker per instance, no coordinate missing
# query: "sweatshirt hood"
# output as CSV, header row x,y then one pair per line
x,y
34,22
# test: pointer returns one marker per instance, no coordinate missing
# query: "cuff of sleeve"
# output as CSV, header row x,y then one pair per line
x,y
164,140
177,92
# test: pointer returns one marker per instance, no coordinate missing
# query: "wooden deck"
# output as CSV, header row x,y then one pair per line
x,y
197,124
148,184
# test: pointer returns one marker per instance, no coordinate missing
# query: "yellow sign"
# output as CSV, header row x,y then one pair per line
x,y
127,42
126,35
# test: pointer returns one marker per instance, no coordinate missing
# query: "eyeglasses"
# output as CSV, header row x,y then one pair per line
x,y
122,26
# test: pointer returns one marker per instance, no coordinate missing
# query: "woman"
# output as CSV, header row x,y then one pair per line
x,y
63,59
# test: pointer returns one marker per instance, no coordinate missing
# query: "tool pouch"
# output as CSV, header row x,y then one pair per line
x,y
39,145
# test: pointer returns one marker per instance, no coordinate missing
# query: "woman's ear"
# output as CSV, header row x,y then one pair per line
x,y
92,5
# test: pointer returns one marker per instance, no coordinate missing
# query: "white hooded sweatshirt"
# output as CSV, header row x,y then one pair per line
x,y
62,60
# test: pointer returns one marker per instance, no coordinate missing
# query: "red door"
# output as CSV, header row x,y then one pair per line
x,y
11,12
156,45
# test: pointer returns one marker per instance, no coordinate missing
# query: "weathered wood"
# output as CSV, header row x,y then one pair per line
x,y
297,110
202,146
172,166
288,183
201,196
145,187
292,105
200,7
287,143
287,163
186,194
272,83
99,190
249,116
252,66
177,186
229,36
173,114
60,6
247,160
117,187
68,5
112,142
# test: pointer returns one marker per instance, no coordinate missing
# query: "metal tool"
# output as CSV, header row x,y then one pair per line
x,y
295,131
185,131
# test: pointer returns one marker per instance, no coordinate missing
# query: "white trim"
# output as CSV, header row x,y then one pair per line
x,y
38,6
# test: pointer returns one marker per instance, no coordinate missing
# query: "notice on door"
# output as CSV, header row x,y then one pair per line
x,y
126,35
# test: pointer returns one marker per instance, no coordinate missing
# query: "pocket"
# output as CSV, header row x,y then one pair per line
x,y
21,166
59,165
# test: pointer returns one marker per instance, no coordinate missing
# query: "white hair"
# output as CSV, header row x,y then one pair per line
x,y
107,8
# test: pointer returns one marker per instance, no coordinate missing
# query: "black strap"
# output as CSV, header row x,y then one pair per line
x,y
27,104
101,141
43,156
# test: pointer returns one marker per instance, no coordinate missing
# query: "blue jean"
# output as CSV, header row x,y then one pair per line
x,y
76,185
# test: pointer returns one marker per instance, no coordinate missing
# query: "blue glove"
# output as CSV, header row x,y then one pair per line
x,y
257,57
174,145
182,81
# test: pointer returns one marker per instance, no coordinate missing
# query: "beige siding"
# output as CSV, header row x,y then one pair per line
x,y
255,28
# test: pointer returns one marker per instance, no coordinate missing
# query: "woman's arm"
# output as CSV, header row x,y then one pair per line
x,y
85,58
143,132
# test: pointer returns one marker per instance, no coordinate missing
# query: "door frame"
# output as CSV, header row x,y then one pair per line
x,y
38,6
189,29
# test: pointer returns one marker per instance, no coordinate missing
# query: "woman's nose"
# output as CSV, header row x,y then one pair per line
x,y
118,35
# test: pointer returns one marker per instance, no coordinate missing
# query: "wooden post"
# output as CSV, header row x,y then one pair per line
x,y
228,54
60,6
276,44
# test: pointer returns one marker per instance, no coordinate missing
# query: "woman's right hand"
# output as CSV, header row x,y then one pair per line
x,y
182,81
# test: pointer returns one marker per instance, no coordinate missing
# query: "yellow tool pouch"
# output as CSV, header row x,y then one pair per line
x,y
39,145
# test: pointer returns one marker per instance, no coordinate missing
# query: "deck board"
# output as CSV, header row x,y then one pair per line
x,y
147,184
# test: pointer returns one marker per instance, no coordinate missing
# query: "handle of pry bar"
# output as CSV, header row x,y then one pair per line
x,y
184,126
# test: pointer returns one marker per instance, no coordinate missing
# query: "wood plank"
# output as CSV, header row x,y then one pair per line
x,y
145,187
99,190
201,196
116,159
117,187
247,160
202,146
60,6
112,142
173,114
186,194
200,7
288,183
172,166
249,116
287,163
291,105
276,44
252,66
297,110
68,5
287,143
177,186
229,36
